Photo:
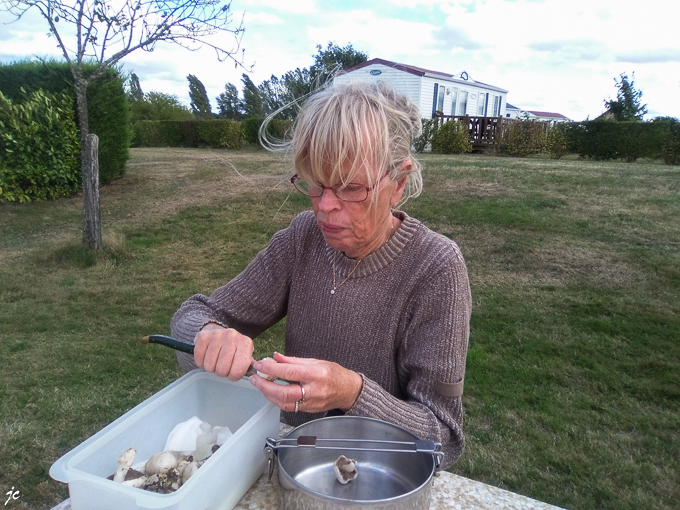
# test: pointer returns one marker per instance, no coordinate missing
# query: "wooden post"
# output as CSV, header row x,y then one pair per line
x,y
92,225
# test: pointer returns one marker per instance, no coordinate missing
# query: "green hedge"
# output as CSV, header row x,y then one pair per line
x,y
217,133
608,139
250,128
522,138
39,148
557,144
278,129
223,133
671,145
108,109
421,141
453,137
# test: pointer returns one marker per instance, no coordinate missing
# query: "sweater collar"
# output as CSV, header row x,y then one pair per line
x,y
380,258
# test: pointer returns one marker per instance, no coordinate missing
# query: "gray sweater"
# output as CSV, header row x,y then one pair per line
x,y
401,320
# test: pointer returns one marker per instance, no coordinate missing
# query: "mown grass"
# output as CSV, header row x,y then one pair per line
x,y
573,379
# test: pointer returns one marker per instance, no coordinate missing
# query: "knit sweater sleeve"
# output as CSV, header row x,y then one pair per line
x,y
433,348
251,302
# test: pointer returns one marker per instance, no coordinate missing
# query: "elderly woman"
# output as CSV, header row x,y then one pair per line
x,y
377,305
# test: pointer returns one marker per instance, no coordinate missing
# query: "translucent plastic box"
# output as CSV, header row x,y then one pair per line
x,y
218,484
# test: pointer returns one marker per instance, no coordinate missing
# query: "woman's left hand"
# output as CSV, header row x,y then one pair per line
x,y
327,385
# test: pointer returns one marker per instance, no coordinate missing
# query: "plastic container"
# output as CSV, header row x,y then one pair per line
x,y
219,484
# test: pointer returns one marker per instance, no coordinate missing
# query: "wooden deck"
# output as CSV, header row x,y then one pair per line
x,y
485,132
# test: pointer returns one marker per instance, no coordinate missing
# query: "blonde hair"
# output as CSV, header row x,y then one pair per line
x,y
346,127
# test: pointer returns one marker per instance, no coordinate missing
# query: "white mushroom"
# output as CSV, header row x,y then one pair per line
x,y
139,481
345,469
160,463
190,469
124,463
266,376
182,463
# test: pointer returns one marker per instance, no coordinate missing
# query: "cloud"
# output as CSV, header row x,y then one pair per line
x,y
450,38
379,36
572,49
258,19
651,56
293,7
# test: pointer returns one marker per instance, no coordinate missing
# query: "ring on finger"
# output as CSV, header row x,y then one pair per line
x,y
302,399
296,406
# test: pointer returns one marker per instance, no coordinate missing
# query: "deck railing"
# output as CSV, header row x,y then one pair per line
x,y
485,132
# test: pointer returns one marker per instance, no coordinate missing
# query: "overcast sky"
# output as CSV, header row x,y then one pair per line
x,y
551,55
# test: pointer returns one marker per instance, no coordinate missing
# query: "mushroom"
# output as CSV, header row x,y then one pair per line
x,y
124,463
345,469
266,376
160,463
190,469
135,479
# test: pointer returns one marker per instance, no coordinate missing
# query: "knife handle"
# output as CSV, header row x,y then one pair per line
x,y
180,345
168,341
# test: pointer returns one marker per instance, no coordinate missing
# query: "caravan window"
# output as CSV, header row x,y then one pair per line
x,y
454,100
481,104
440,99
462,104
497,106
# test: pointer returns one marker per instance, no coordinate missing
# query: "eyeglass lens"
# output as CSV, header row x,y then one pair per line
x,y
352,192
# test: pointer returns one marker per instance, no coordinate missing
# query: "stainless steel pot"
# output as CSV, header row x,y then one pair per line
x,y
395,468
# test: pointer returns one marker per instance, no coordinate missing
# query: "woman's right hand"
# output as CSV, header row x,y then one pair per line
x,y
223,351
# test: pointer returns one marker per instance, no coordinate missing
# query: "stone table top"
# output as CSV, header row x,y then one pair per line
x,y
449,492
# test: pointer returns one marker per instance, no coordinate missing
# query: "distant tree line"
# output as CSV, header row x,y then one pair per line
x,y
255,101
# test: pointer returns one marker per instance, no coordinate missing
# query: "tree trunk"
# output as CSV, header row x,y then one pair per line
x,y
92,223
89,168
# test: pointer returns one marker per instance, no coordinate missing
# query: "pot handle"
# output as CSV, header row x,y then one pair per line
x,y
271,448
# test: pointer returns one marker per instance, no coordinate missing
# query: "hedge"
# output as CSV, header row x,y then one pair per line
x,y
522,138
108,109
671,145
608,139
277,129
453,137
39,148
217,133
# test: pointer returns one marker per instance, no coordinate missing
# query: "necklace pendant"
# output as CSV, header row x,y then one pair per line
x,y
332,291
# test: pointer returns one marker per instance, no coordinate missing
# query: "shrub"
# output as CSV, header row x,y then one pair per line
x,y
607,139
276,128
453,137
109,117
189,130
39,148
280,128
108,110
421,141
224,133
148,134
556,143
671,145
250,128
523,137
218,133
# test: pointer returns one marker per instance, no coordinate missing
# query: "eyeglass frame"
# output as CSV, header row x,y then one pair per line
x,y
332,188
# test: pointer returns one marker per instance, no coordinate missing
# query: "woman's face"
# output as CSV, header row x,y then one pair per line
x,y
359,228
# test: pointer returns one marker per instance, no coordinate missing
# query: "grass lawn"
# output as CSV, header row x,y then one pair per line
x,y
572,393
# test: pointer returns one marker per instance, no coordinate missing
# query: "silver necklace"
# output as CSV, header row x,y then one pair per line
x,y
355,266
343,281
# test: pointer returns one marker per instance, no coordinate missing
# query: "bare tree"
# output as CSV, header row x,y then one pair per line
x,y
106,31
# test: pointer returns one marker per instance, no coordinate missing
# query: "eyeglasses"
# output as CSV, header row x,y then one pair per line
x,y
352,192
